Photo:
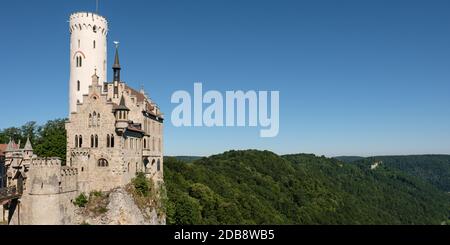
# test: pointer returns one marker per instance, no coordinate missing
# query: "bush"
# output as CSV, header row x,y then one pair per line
x,y
97,194
141,184
81,200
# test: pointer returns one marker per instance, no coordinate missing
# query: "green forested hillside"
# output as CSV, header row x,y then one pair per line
x,y
349,158
255,187
434,169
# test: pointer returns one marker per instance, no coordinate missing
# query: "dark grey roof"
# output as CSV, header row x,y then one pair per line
x,y
122,105
116,60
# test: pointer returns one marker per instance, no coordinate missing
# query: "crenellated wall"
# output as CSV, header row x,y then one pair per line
x,y
52,190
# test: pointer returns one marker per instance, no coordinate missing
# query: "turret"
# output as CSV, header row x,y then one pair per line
x,y
28,149
10,148
121,113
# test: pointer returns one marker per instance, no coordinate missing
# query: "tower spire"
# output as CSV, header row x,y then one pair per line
x,y
116,66
28,146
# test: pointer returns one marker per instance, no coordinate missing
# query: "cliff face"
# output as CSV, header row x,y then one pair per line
x,y
117,207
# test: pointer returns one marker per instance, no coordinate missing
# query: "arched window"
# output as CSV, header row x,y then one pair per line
x,y
112,141
94,118
76,141
108,138
90,119
145,144
158,166
94,44
98,119
102,162
96,141
79,61
78,86
80,143
92,141
128,167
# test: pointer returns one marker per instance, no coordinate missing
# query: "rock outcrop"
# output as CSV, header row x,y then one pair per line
x,y
117,207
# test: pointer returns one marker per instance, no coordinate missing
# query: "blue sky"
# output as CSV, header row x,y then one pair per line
x,y
362,77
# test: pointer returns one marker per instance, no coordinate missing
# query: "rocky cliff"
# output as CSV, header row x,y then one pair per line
x,y
117,207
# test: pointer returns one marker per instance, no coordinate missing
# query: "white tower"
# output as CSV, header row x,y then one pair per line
x,y
88,54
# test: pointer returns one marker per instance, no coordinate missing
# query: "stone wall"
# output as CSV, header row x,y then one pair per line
x,y
50,192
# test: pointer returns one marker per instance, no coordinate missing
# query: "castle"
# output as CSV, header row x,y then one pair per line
x,y
113,132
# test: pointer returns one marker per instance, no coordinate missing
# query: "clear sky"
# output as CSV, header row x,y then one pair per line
x,y
356,77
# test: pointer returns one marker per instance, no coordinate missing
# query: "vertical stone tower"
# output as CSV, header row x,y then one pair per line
x,y
88,54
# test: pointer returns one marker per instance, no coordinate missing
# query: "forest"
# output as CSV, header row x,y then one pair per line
x,y
260,187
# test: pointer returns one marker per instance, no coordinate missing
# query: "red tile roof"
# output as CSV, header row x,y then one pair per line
x,y
2,149
141,98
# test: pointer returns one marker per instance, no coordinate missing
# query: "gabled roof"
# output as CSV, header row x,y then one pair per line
x,y
139,96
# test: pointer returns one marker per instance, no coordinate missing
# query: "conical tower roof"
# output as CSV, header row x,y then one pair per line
x,y
11,145
122,105
116,64
28,146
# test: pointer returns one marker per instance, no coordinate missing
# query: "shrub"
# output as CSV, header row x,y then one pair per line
x,y
141,184
97,194
81,200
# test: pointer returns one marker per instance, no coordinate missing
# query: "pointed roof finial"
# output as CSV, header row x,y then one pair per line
x,y
116,59
28,146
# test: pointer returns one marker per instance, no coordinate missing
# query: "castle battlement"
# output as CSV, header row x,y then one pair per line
x,y
68,171
88,21
46,162
80,152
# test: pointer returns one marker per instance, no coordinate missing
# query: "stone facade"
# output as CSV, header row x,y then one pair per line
x,y
115,133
